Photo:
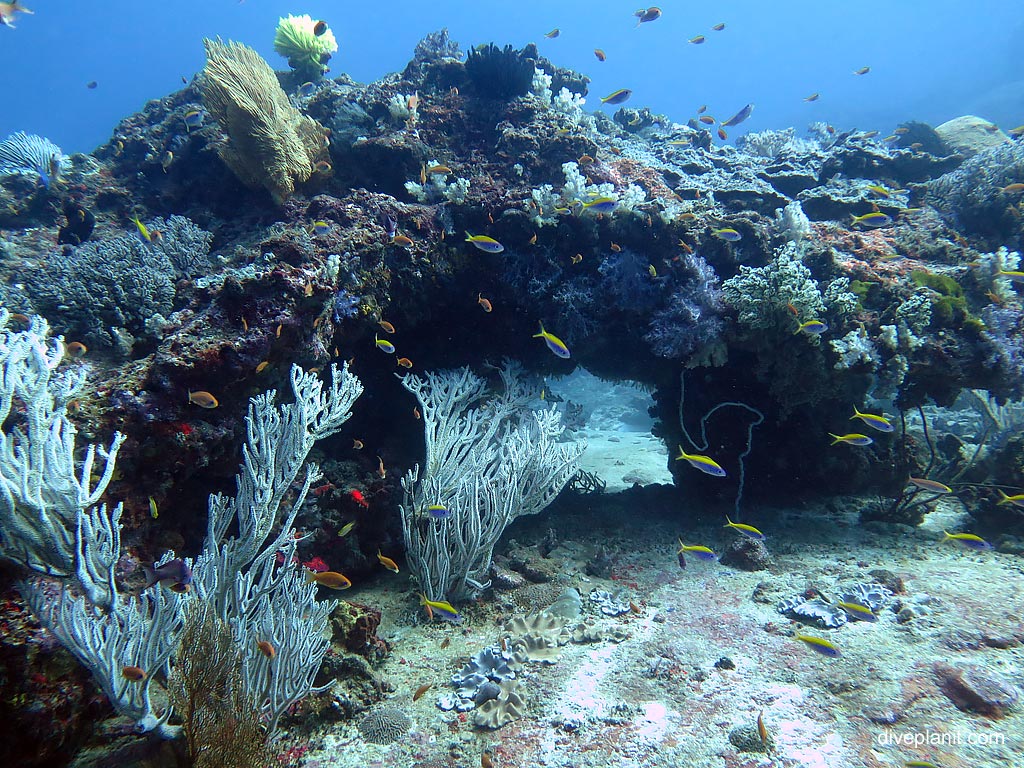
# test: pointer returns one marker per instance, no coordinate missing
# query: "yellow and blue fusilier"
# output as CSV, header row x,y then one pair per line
x,y
601,205
857,611
554,343
873,219
1016,500
819,645
740,116
728,234
969,540
697,550
705,464
811,328
933,486
440,608
747,530
873,420
851,439
485,243
617,97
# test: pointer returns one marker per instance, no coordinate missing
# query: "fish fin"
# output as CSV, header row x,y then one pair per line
x,y
1003,498
151,577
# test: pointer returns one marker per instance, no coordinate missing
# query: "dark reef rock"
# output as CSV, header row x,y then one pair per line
x,y
49,704
355,628
747,554
973,689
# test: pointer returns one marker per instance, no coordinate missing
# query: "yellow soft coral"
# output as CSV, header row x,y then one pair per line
x,y
270,143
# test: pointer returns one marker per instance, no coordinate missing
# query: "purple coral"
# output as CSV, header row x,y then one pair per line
x,y
346,305
693,317
1003,331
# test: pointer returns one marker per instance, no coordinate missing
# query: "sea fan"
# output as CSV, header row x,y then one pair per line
x,y
26,153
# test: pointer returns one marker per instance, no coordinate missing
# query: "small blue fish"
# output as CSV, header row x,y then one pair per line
x,y
305,90
739,117
438,511
554,343
727,234
194,119
174,574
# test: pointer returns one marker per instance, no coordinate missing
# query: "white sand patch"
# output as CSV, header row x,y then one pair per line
x,y
617,426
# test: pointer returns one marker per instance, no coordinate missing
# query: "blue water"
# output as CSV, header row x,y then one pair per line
x,y
929,60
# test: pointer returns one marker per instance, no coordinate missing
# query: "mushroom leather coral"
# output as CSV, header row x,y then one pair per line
x,y
270,144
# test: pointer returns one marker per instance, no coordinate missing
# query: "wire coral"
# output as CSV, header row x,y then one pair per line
x,y
270,144
26,153
501,73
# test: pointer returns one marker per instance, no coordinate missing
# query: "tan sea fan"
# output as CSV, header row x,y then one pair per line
x,y
270,144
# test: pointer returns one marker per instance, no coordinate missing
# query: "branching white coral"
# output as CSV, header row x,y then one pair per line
x,y
489,459
49,519
437,188
991,265
854,348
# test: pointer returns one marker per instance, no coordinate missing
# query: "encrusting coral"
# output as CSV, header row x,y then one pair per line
x,y
270,143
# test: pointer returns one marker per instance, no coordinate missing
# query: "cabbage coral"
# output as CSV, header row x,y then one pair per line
x,y
307,52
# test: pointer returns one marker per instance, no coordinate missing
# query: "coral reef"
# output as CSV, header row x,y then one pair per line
x,y
648,248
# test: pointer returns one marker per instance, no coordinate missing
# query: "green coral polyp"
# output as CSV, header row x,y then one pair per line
x,y
297,42
943,284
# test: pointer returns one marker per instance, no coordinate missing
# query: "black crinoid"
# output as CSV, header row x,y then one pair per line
x,y
501,73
